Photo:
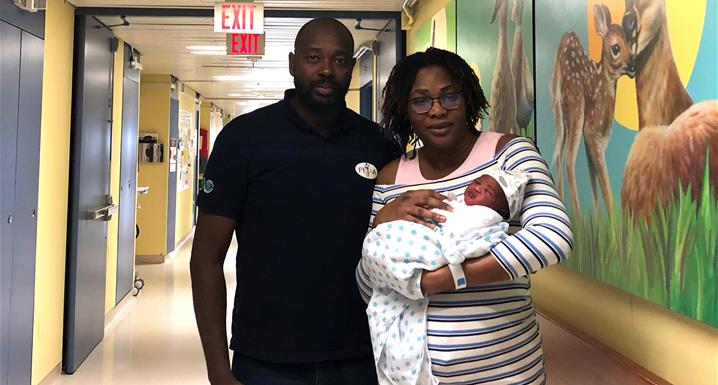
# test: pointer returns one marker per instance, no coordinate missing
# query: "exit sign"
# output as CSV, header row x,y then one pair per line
x,y
239,18
247,44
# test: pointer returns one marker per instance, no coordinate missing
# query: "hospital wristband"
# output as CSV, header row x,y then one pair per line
x,y
457,272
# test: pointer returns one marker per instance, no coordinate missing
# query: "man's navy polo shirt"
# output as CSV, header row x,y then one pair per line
x,y
302,210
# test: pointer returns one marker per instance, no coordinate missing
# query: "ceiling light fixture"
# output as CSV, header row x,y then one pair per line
x,y
217,53
206,48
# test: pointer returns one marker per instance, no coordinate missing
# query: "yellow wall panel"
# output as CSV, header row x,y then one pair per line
x,y
152,214
678,349
53,189
352,98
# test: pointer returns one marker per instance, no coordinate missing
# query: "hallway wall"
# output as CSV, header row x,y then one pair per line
x,y
152,217
352,98
154,117
216,123
53,189
675,347
186,161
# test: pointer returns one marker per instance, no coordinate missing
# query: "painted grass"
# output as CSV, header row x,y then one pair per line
x,y
672,262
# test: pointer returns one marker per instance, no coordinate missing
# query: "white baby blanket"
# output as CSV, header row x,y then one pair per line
x,y
397,252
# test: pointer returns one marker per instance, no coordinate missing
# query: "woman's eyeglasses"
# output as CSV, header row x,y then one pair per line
x,y
423,104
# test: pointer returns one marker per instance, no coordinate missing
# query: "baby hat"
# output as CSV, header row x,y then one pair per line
x,y
513,183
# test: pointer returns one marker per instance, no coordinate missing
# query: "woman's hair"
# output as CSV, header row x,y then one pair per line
x,y
394,114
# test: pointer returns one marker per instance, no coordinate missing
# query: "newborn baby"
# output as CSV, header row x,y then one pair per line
x,y
397,253
489,200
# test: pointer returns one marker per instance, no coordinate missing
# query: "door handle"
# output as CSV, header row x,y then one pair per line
x,y
101,214
104,213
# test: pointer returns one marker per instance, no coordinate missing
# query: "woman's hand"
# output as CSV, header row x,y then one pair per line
x,y
414,206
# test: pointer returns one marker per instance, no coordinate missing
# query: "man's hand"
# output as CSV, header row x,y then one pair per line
x,y
414,206
226,380
212,237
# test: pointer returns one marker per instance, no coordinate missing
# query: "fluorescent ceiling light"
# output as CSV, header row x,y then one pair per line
x,y
217,53
206,48
231,78
265,76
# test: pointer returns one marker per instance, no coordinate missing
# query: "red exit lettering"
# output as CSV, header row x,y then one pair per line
x,y
245,44
238,16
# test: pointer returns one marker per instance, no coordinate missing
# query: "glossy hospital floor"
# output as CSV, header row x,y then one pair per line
x,y
152,339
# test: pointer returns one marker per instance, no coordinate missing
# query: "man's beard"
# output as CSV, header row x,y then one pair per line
x,y
319,103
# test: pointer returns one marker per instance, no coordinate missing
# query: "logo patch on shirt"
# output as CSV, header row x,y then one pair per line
x,y
366,170
208,186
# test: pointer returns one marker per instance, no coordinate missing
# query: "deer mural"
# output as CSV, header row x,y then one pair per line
x,y
523,79
670,148
583,95
502,117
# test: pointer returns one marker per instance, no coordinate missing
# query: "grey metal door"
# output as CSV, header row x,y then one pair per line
x,y
128,178
89,189
172,178
21,54
10,79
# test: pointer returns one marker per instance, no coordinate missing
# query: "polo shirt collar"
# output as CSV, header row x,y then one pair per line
x,y
344,122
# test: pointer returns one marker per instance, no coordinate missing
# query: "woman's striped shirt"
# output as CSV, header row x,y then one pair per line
x,y
488,334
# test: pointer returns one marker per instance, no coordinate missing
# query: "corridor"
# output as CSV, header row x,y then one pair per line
x,y
152,339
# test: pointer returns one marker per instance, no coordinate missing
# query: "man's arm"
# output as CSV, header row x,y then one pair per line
x,y
213,235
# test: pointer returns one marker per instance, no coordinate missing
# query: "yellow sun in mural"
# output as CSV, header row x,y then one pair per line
x,y
685,26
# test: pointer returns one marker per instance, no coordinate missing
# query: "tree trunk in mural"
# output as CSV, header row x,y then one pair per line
x,y
522,76
502,116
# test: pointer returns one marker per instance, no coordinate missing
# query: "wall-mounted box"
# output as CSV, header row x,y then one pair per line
x,y
150,150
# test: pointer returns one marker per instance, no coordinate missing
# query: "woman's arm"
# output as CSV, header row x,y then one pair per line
x,y
545,238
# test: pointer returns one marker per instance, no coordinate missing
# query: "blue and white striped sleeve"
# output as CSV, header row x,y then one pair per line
x,y
545,237
363,281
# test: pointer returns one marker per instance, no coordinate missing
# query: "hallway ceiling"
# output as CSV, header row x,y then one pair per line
x,y
335,5
164,41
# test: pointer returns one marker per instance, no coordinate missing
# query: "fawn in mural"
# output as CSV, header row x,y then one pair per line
x,y
583,95
670,148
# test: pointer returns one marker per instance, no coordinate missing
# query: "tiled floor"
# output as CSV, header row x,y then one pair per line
x,y
153,340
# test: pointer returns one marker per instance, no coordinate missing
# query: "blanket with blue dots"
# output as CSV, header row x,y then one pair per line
x,y
397,253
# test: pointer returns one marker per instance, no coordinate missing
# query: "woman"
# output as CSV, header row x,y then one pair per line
x,y
486,332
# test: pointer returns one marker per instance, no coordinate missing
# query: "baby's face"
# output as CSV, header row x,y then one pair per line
x,y
486,191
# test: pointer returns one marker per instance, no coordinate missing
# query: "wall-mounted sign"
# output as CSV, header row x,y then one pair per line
x,y
239,18
247,44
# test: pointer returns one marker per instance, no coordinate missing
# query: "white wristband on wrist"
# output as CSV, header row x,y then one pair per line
x,y
457,272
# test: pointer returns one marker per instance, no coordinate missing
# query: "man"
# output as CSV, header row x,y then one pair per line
x,y
294,181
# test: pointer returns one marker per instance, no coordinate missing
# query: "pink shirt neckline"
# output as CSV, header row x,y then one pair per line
x,y
484,149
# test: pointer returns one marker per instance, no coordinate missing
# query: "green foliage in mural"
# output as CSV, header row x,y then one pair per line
x,y
671,258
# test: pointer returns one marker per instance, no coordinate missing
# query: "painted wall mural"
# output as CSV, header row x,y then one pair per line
x,y
496,39
439,31
627,110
